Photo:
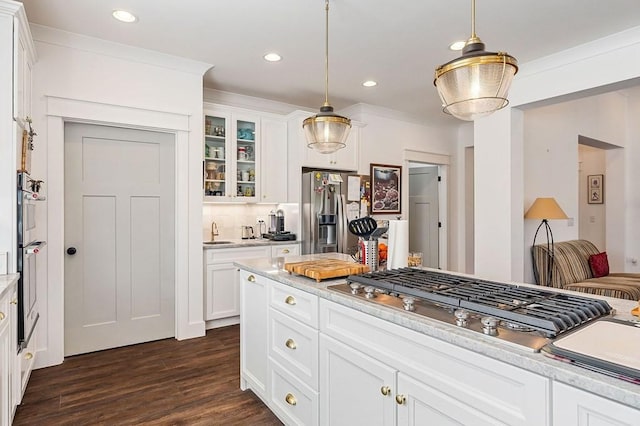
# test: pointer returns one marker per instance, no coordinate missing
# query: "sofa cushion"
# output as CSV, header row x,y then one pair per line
x,y
599,264
570,265
621,286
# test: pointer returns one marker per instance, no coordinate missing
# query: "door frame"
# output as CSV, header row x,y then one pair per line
x,y
188,214
443,162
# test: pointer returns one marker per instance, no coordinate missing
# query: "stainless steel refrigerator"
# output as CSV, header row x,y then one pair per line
x,y
328,203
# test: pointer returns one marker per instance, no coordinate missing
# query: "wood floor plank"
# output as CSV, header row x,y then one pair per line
x,y
166,382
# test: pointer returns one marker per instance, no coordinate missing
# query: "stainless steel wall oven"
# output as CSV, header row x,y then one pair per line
x,y
28,248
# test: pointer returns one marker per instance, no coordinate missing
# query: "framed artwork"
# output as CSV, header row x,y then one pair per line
x,y
595,188
386,188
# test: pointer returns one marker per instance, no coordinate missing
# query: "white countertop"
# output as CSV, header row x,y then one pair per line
x,y
237,242
600,384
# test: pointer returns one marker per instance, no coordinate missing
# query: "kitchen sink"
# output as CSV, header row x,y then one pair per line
x,y
217,242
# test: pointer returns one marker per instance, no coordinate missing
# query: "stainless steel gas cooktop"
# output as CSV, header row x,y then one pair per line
x,y
525,316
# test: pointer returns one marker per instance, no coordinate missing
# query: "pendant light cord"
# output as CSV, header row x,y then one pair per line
x,y
473,19
326,54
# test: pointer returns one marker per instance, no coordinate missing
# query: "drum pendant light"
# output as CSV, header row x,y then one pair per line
x,y
477,83
326,131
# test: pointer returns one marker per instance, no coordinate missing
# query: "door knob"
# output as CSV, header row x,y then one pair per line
x,y
71,251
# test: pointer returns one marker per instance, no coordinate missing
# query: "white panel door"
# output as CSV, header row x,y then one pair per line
x,y
423,213
119,220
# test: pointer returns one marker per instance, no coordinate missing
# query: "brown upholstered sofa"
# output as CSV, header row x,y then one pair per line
x,y
571,271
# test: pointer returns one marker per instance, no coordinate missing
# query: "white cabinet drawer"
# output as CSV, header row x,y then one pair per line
x,y
280,250
296,303
292,400
295,345
231,254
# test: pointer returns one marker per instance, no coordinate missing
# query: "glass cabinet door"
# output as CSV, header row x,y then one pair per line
x,y
246,158
215,154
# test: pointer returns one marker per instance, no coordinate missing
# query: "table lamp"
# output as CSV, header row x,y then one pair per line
x,y
545,209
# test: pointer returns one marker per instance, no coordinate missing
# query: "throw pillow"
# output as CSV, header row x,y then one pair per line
x,y
599,264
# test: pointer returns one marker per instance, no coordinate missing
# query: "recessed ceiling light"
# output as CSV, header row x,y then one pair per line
x,y
457,45
124,16
272,57
370,83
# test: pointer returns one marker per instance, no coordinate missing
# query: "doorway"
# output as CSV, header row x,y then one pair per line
x,y
119,189
424,212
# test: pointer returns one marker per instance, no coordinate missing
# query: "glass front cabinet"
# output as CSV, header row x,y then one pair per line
x,y
231,157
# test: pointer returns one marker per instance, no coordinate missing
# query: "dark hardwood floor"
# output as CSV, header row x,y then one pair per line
x,y
167,382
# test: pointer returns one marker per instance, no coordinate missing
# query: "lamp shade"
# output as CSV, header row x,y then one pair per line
x,y
477,83
326,132
545,208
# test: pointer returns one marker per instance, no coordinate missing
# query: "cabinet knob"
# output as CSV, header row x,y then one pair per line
x,y
401,399
290,300
291,344
385,390
2,316
251,278
291,400
285,251
14,302
28,356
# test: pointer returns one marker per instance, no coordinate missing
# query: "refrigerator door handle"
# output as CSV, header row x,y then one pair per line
x,y
342,224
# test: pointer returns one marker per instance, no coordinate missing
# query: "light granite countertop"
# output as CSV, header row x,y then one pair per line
x,y
609,387
7,282
237,242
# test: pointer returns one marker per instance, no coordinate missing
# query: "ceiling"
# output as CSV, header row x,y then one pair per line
x,y
398,44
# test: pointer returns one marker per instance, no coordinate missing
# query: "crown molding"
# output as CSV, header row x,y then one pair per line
x,y
250,102
16,10
70,40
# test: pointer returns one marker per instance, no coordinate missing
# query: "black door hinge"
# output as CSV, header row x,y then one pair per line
x,y
439,224
439,178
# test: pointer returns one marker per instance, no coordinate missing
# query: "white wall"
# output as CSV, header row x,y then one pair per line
x,y
631,191
552,161
592,217
85,79
581,71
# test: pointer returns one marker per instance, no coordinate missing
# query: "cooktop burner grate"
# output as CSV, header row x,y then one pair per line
x,y
549,312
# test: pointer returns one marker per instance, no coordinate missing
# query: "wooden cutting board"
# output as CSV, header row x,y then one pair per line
x,y
322,269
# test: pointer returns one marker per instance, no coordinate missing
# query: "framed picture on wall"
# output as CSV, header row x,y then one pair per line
x,y
595,188
386,188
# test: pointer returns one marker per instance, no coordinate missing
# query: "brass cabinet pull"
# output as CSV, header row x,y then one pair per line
x,y
291,400
28,356
251,278
385,390
285,251
14,302
291,344
290,300
401,399
2,316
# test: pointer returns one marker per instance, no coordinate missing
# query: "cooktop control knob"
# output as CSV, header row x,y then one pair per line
x,y
461,317
369,292
355,288
489,326
408,303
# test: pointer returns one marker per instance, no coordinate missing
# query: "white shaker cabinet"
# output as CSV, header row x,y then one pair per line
x,y
343,159
222,289
231,151
273,182
356,389
573,406
254,306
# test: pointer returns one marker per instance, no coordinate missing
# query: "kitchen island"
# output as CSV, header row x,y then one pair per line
x,y
315,355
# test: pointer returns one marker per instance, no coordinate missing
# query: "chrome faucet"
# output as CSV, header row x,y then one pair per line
x,y
214,231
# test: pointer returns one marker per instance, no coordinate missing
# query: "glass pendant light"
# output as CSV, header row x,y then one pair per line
x,y
326,131
477,83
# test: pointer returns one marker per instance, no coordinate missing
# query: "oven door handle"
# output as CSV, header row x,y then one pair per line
x,y
34,247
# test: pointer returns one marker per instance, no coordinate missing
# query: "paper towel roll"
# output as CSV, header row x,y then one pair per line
x,y
398,251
